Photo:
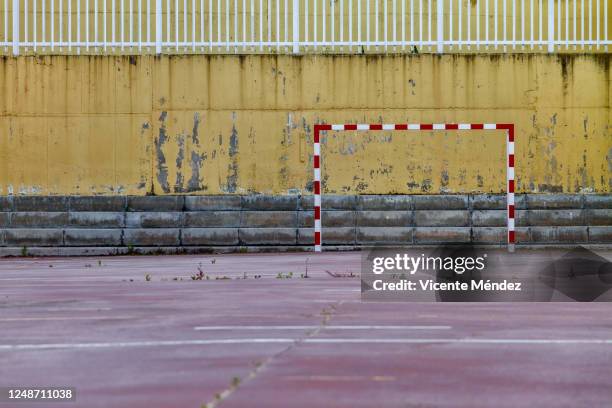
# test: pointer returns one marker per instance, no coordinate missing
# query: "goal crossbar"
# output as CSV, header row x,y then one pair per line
x,y
507,127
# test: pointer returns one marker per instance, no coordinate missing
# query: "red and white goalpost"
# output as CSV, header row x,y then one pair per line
x,y
507,127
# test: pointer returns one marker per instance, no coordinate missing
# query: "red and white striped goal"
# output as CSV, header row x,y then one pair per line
x,y
507,127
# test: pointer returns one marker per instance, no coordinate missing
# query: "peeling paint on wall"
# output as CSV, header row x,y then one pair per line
x,y
232,177
180,157
162,168
195,181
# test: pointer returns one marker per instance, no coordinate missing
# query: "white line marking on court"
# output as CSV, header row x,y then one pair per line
x,y
464,340
331,327
160,343
77,309
60,278
341,290
27,319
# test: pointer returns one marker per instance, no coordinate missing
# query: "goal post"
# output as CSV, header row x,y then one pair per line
x,y
508,129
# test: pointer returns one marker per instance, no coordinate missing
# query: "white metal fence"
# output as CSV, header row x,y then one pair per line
x,y
301,26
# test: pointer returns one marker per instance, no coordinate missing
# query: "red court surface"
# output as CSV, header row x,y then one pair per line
x,y
98,324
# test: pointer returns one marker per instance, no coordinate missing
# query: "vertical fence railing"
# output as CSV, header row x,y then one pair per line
x,y
301,26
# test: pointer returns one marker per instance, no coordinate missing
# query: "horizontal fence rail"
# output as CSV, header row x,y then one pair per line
x,y
301,26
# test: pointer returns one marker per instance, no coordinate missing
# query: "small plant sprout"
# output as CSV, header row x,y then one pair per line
x,y
200,275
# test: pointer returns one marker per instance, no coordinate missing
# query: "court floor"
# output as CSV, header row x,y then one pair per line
x,y
250,330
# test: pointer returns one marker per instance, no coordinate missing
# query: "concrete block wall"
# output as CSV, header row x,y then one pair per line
x,y
105,225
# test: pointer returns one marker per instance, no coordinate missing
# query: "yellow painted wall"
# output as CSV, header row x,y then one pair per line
x,y
228,124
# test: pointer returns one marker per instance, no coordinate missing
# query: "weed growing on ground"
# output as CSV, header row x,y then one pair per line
x,y
200,275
